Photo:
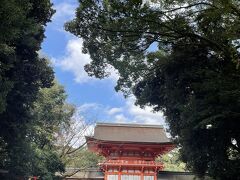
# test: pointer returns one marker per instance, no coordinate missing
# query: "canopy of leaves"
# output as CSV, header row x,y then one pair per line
x,y
171,161
118,33
181,57
200,98
50,114
81,160
22,74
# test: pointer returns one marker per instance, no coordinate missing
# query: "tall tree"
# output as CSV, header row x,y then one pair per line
x,y
181,57
57,135
50,114
22,73
200,98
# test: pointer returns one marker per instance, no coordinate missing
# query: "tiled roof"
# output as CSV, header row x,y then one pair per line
x,y
130,133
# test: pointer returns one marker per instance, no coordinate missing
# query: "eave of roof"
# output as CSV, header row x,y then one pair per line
x,y
101,141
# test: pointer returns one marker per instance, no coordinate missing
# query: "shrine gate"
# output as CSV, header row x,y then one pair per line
x,y
130,150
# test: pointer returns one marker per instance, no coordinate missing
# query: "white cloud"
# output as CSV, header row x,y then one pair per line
x,y
120,118
90,112
65,11
146,115
129,113
74,61
85,107
114,111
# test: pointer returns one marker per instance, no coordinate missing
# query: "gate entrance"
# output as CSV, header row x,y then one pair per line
x,y
130,150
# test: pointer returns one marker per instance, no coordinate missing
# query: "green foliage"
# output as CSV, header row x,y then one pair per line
x,y
38,154
200,97
22,74
81,160
85,159
192,74
118,33
171,162
56,136
50,113
45,163
22,27
33,108
71,145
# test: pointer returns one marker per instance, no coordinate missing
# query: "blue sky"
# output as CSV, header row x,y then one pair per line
x,y
94,99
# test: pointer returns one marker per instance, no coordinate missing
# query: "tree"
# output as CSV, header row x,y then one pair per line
x,y
22,74
191,74
50,114
21,36
118,33
171,161
81,160
200,97
71,144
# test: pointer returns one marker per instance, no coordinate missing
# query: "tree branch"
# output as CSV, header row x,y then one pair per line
x,y
189,6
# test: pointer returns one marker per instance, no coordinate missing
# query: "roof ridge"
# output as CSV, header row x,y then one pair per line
x,y
129,125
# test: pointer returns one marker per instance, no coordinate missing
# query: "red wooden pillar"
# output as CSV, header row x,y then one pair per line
x,y
155,173
119,173
142,178
105,173
155,176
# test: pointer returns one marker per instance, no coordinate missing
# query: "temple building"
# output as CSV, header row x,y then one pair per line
x,y
130,150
